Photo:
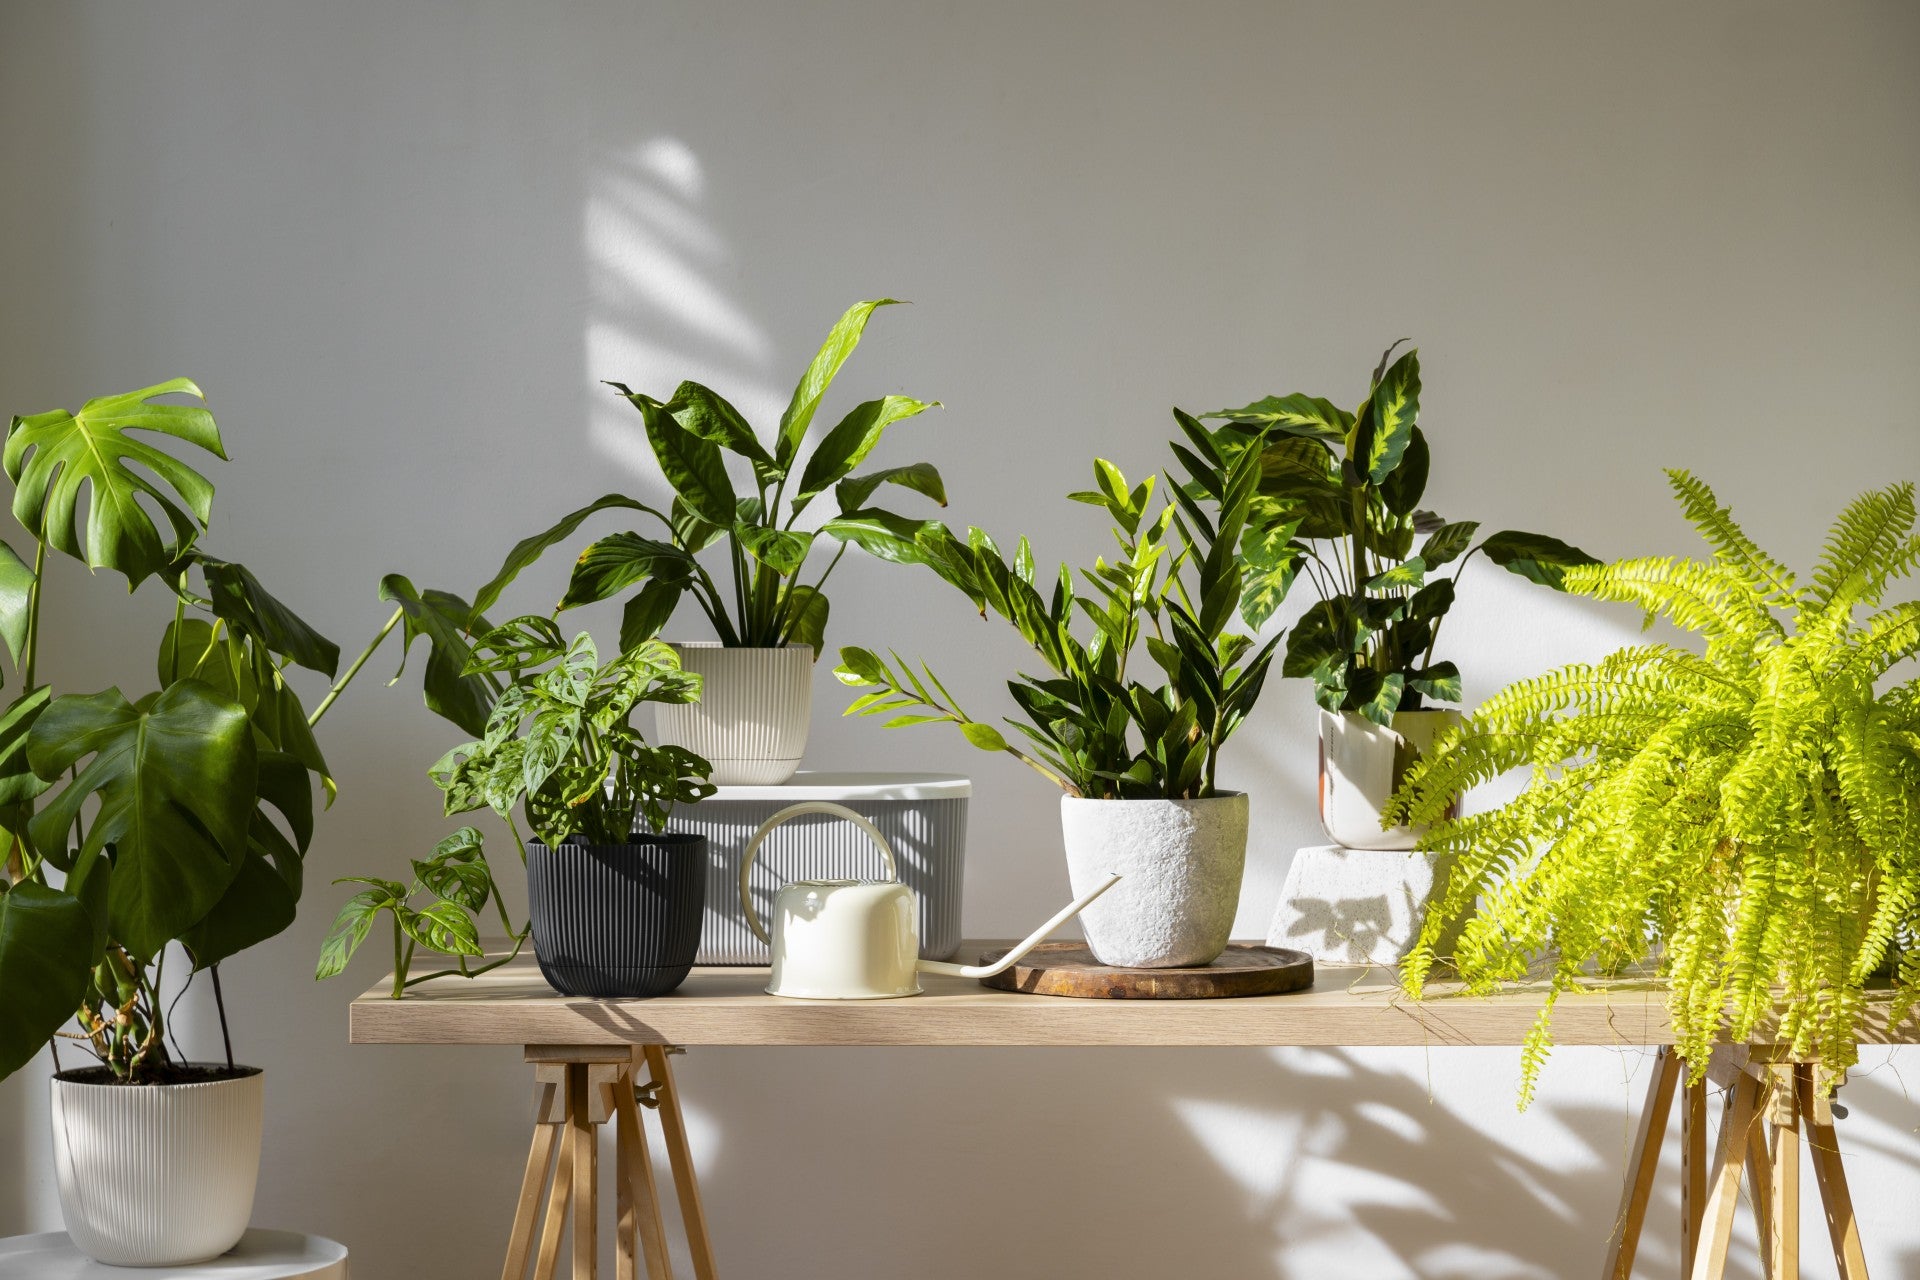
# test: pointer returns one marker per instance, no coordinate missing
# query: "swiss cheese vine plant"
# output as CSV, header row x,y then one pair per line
x,y
1745,811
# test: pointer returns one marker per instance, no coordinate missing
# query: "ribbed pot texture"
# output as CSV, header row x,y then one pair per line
x,y
156,1175
751,721
1179,863
617,921
1362,764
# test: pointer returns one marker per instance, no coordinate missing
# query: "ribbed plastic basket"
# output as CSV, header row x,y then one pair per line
x,y
922,815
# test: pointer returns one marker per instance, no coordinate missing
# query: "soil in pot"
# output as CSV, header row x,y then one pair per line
x,y
165,1073
617,921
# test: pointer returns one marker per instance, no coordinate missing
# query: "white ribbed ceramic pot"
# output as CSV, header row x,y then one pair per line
x,y
751,720
1362,764
157,1175
1179,863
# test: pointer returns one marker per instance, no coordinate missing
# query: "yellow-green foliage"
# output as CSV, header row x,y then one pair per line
x,y
1747,815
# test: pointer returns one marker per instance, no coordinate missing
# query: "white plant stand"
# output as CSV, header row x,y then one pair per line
x,y
260,1255
1356,906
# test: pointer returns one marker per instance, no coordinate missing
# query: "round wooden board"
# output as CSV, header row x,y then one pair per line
x,y
1069,969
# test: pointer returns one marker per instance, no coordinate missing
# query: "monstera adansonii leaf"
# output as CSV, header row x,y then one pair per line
x,y
51,456
176,777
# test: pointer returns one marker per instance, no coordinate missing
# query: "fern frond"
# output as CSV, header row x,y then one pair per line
x,y
1769,579
1863,544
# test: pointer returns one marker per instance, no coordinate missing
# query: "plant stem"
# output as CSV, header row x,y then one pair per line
x,y
399,962
354,670
520,940
220,1002
33,614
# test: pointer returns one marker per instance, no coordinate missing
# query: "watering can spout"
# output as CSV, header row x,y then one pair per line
x,y
1033,940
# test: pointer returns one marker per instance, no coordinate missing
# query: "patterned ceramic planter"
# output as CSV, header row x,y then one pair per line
x,y
752,717
1180,863
156,1175
617,921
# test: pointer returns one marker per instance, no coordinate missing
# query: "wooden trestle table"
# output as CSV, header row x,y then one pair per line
x,y
589,1056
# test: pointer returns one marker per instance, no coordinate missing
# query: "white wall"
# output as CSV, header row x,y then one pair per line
x,y
399,245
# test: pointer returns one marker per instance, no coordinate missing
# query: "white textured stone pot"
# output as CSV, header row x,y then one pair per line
x,y
156,1175
1362,765
1179,862
751,720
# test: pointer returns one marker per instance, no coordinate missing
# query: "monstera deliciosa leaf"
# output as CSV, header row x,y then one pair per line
x,y
48,943
175,776
51,457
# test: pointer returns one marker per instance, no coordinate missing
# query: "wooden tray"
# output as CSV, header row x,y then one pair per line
x,y
1069,969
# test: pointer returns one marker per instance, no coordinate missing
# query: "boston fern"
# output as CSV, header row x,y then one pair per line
x,y
1748,812
1092,726
764,603
1340,495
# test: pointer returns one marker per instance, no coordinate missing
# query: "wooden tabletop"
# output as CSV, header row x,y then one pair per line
x,y
728,1006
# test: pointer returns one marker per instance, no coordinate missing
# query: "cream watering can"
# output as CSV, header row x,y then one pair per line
x,y
859,939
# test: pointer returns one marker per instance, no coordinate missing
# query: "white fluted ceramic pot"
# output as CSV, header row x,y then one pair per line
x,y
1362,764
1180,863
752,717
156,1175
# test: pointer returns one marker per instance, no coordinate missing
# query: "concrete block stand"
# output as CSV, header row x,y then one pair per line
x,y
1355,906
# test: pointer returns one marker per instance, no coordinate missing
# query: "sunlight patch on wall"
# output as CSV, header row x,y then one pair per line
x,y
661,309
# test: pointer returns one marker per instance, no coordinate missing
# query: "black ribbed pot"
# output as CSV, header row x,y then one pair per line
x,y
617,920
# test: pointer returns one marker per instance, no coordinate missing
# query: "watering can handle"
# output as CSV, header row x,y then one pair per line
x,y
754,921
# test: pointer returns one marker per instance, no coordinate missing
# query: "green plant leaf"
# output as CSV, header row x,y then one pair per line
x,y
648,611
807,619
47,948
16,597
51,456
884,534
176,786
526,551
457,870
848,444
18,782
257,904
781,550
444,927
1387,427
354,922
813,384
1441,682
983,736
1447,542
920,477
1535,556
1403,576
1400,492
618,561
531,640
706,413
1298,415
249,608
693,466
443,618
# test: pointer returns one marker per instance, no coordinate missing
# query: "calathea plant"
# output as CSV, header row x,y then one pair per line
x,y
1746,810
559,745
181,815
1340,501
765,602
1092,725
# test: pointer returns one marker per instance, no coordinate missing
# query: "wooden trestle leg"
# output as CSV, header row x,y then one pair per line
x,y
1771,1103
576,1089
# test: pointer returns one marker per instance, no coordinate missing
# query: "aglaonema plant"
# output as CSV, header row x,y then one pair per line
x,y
1742,810
1340,501
750,523
1092,725
181,815
559,746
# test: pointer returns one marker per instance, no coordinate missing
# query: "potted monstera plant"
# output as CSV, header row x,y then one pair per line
x,y
144,832
1742,810
1340,503
1137,761
769,618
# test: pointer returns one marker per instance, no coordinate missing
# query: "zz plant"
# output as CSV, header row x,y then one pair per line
x,y
559,745
1745,810
1340,500
179,815
765,603
1092,726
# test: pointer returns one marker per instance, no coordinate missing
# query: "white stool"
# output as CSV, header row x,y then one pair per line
x,y
260,1255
